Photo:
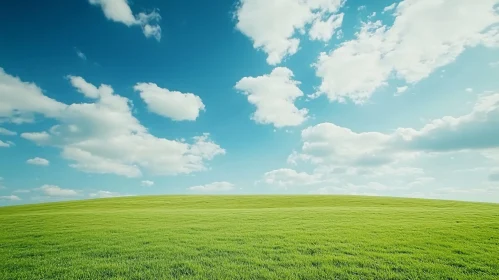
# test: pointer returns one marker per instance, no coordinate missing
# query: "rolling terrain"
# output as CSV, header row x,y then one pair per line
x,y
250,237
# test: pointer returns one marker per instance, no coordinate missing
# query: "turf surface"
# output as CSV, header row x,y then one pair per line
x,y
250,237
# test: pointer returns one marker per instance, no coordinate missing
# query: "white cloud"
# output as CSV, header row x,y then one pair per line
x,y
88,89
10,197
172,104
146,183
324,30
401,90
469,90
389,8
37,137
274,96
288,177
89,162
55,191
213,187
21,100
426,35
104,136
38,161
7,132
4,144
272,24
474,131
150,30
120,11
327,143
494,64
104,194
116,10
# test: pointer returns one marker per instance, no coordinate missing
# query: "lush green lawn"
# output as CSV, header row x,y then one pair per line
x,y
250,237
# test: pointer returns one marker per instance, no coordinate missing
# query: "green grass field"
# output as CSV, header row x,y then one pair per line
x,y
250,237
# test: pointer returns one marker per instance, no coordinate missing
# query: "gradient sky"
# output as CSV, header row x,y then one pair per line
x,y
102,98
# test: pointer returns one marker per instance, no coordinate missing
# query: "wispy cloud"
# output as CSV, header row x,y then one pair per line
x,y
213,187
80,54
10,197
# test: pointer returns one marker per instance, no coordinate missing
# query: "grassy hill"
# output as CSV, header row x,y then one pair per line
x,y
250,237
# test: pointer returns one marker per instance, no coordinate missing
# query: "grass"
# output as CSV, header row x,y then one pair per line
x,y
250,237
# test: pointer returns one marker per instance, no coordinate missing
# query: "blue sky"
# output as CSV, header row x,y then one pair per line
x,y
103,98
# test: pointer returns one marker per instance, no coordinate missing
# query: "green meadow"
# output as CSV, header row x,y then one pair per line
x,y
250,237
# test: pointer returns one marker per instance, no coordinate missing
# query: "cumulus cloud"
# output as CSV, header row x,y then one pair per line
x,y
171,104
7,132
274,96
425,35
474,131
87,89
273,24
333,144
56,191
146,183
21,100
286,177
38,161
104,136
213,187
10,197
469,90
327,143
37,137
120,11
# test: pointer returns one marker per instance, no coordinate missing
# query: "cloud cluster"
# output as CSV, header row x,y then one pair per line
x,y
103,136
273,24
327,143
426,35
120,11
